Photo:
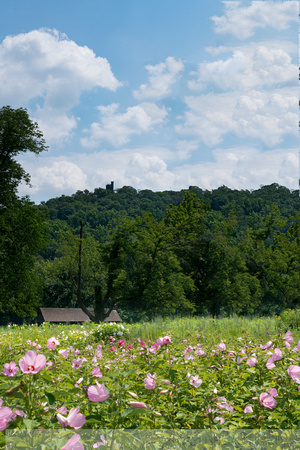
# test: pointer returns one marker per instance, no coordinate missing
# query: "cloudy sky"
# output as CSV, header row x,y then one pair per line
x,y
160,94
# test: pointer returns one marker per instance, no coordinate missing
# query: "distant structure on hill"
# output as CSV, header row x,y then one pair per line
x,y
110,187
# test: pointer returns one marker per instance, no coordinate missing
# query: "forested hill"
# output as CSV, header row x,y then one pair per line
x,y
101,210
147,253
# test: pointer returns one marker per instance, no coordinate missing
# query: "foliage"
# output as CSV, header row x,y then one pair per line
x,y
195,385
22,236
105,331
22,225
17,134
60,274
289,319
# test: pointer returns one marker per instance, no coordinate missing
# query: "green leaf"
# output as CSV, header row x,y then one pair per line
x,y
50,398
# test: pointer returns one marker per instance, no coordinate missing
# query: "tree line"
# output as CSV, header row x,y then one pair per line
x,y
192,251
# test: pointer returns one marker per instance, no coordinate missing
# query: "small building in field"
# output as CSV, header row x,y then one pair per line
x,y
70,315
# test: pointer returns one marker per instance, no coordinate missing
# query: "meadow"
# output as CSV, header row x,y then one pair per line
x,y
169,383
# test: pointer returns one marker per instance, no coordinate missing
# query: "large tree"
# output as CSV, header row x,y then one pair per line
x,y
22,225
18,134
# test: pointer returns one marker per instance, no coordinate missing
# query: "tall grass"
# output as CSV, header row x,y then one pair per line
x,y
213,330
210,330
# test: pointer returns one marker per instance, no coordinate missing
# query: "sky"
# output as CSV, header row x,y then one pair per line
x,y
160,94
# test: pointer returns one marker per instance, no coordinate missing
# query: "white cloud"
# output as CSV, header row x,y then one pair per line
x,y
243,168
266,116
162,78
46,67
152,168
242,20
117,128
58,176
248,68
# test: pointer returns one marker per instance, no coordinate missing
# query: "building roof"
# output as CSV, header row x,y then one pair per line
x,y
71,315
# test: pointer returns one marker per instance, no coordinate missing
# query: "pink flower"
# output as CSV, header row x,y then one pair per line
x,y
273,392
267,400
79,382
251,361
63,410
98,444
294,373
64,353
52,343
99,353
17,412
160,341
248,409
138,405
221,419
77,363
149,381
73,443
74,420
200,352
132,394
288,337
222,346
277,355
10,369
97,393
166,340
96,372
195,381
5,416
32,363
270,363
268,345
224,404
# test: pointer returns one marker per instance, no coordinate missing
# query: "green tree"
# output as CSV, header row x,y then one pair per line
x,y
22,225
18,134
61,274
22,236
142,271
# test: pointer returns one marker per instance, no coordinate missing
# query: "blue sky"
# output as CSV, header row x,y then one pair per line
x,y
154,94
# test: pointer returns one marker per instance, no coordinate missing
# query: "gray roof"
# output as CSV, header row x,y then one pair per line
x,y
71,315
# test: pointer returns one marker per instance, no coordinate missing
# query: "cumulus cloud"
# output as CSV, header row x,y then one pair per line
x,y
266,116
117,128
242,21
45,67
248,68
51,177
243,168
162,78
153,168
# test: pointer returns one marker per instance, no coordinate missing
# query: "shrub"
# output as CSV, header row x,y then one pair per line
x,y
290,318
103,331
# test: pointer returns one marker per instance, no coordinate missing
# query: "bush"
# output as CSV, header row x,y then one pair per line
x,y
103,331
290,318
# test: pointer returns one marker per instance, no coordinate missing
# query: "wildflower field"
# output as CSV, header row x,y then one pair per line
x,y
185,383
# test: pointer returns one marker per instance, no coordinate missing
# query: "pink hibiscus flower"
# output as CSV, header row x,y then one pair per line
x,y
74,419
10,369
32,362
267,400
52,343
98,393
149,381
